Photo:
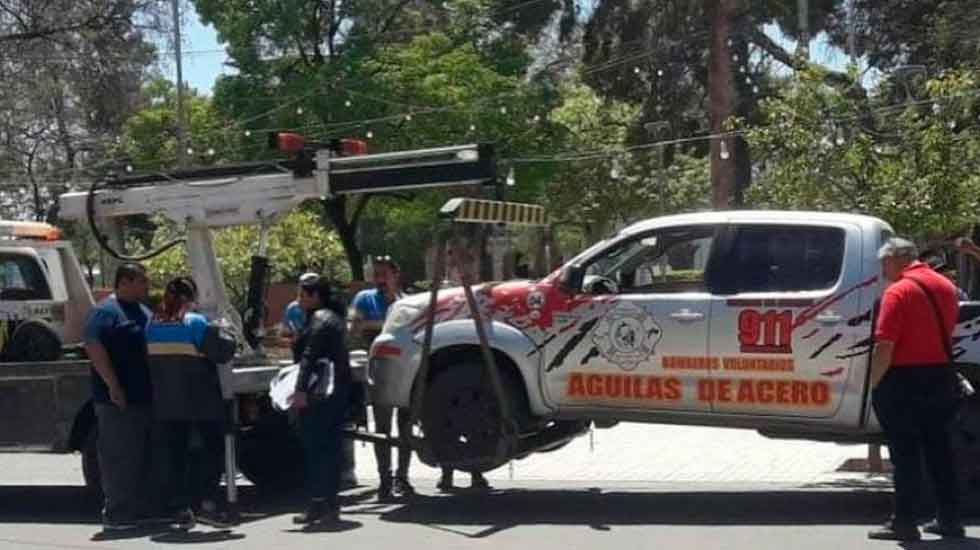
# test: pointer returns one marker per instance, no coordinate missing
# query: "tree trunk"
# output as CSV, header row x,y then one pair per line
x,y
722,101
335,210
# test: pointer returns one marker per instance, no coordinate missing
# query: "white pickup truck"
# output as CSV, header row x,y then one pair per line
x,y
749,319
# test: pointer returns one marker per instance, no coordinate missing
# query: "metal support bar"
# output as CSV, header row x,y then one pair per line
x,y
231,450
418,393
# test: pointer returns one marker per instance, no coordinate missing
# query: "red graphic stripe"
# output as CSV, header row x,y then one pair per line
x,y
810,313
811,333
832,373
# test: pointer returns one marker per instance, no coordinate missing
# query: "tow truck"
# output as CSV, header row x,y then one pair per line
x,y
46,403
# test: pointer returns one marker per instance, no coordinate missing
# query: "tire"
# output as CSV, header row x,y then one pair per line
x,y
90,466
34,341
461,417
270,454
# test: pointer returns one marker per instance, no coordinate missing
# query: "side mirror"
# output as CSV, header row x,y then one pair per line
x,y
571,278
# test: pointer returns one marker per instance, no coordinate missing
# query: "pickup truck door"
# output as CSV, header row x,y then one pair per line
x,y
791,327
639,339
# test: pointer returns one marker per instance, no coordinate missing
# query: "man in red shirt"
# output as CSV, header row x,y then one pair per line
x,y
913,382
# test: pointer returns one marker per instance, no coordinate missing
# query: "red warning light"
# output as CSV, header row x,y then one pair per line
x,y
352,147
288,142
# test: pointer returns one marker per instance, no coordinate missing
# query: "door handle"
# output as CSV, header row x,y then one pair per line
x,y
686,316
829,319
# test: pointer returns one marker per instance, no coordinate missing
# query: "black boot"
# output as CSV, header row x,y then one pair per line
x,y
315,511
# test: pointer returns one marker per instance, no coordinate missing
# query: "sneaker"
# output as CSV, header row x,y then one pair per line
x,y
317,512
945,530
896,531
403,488
215,515
184,519
384,491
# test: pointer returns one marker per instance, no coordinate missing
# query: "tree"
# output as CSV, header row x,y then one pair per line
x,y
297,244
609,190
936,34
69,76
682,60
911,163
336,62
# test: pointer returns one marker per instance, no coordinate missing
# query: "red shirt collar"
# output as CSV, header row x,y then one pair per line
x,y
914,266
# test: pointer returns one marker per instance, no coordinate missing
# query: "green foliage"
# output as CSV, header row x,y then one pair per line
x,y
912,164
601,194
150,135
297,243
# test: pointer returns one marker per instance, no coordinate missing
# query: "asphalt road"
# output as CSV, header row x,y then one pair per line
x,y
538,515
630,488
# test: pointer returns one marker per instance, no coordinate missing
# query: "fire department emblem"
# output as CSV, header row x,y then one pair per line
x,y
627,336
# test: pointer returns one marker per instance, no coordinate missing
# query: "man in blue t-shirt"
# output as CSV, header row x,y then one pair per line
x,y
368,311
115,340
294,318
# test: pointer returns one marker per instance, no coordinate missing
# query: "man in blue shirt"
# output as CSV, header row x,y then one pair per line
x,y
368,311
294,318
115,340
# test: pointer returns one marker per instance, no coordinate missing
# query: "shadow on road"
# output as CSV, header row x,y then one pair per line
x,y
601,510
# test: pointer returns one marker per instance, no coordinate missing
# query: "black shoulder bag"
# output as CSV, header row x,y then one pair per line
x,y
961,388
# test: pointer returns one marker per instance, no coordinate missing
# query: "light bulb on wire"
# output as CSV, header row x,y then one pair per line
x,y
408,117
190,151
369,134
511,179
347,103
248,133
723,153
210,151
299,110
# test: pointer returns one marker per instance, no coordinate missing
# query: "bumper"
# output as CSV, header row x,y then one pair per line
x,y
392,367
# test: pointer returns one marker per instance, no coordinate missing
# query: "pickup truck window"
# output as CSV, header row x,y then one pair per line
x,y
664,261
780,258
21,278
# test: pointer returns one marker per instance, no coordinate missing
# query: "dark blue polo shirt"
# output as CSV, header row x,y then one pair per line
x,y
121,329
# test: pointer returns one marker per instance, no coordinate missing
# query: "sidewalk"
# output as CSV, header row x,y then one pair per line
x,y
665,453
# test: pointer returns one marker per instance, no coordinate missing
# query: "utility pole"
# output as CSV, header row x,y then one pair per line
x,y
721,93
851,41
803,18
180,85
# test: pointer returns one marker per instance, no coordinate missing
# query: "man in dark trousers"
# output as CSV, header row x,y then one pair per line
x,y
115,340
913,395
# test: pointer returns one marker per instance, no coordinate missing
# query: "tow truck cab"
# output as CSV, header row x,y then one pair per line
x,y
44,297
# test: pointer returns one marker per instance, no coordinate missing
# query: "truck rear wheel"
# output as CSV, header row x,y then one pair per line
x,y
461,415
270,454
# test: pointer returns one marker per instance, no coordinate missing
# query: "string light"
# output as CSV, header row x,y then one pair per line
x,y
129,168
660,72
755,89
503,110
537,118
472,127
408,117
839,137
511,180
299,110
937,108
735,57
347,103
190,151
369,134
723,152
211,151
248,133
636,70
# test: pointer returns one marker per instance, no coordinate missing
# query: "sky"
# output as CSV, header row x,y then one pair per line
x,y
204,57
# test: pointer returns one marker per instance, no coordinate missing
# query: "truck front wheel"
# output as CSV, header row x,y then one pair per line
x,y
461,415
